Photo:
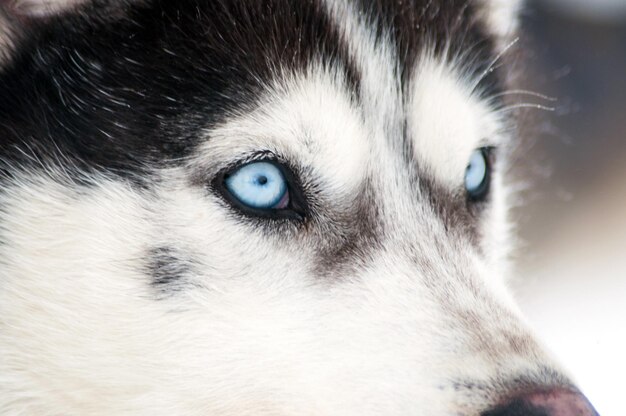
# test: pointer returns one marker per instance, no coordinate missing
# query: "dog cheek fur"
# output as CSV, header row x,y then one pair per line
x,y
73,260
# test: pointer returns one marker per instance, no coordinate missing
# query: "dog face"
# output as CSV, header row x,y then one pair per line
x,y
261,208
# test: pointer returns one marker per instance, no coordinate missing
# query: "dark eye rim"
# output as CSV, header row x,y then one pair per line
x,y
295,211
483,192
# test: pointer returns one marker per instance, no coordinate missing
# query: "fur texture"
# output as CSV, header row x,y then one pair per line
x,y
130,286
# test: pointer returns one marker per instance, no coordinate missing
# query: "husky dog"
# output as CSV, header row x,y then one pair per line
x,y
261,207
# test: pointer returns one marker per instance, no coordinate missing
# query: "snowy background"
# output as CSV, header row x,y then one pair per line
x,y
572,265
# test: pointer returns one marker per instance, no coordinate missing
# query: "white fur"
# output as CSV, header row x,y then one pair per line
x,y
229,345
311,121
502,16
448,121
254,329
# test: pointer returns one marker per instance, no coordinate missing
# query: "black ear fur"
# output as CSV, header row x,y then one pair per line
x,y
6,35
36,9
20,18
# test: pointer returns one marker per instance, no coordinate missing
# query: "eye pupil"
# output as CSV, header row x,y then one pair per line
x,y
262,180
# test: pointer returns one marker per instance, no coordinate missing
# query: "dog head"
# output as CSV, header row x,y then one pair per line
x,y
261,208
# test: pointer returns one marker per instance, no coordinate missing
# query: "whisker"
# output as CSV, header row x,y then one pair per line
x,y
524,105
491,67
526,92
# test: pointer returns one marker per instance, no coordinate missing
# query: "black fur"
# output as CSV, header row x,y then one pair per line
x,y
168,269
131,94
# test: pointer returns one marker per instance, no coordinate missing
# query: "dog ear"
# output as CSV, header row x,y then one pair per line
x,y
33,9
501,17
20,18
23,19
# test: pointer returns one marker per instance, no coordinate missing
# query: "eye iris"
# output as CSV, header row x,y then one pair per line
x,y
259,185
477,175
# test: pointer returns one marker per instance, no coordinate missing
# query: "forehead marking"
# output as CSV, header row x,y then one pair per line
x,y
420,62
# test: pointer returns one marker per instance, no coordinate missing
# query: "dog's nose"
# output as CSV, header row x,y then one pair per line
x,y
545,403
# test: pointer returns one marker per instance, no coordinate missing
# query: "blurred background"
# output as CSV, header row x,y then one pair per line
x,y
572,256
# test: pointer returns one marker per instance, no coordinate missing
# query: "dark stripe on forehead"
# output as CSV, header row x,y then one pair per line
x,y
126,93
454,31
451,27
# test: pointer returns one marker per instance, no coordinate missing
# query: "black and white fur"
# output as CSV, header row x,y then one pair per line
x,y
130,286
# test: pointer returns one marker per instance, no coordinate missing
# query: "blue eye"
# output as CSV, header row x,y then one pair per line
x,y
477,175
258,185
